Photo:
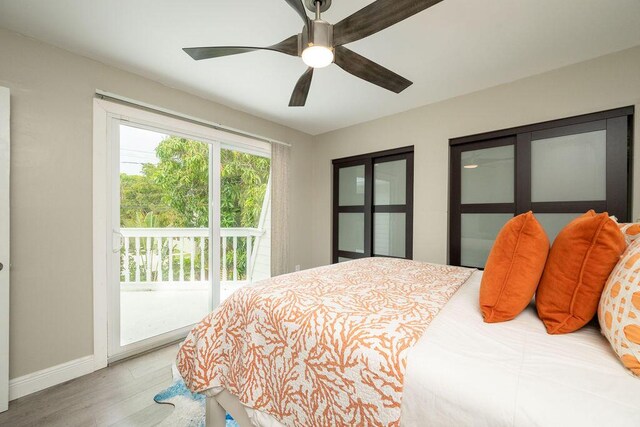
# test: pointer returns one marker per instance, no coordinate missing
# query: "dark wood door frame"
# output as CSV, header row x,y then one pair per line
x,y
603,115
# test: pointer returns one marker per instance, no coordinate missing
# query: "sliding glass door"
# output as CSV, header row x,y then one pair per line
x,y
245,218
190,225
165,228
163,224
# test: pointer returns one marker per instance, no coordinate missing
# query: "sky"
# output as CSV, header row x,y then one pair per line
x,y
137,146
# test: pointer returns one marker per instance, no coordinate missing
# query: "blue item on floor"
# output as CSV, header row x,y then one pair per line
x,y
189,407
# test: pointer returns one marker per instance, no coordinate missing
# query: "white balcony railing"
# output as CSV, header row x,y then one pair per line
x,y
153,258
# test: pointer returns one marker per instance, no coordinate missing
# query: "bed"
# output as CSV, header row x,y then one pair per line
x,y
436,364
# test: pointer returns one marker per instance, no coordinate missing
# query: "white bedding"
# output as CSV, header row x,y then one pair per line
x,y
465,372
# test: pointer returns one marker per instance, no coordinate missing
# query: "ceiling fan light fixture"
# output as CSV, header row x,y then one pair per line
x,y
317,56
317,43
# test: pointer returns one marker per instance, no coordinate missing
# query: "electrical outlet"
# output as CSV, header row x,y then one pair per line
x,y
297,267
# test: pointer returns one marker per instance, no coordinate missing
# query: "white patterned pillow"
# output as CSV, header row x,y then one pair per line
x,y
630,230
619,308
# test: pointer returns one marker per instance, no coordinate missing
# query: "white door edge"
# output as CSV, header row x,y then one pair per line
x,y
4,246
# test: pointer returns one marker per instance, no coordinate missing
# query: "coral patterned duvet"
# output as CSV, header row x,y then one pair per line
x,y
322,347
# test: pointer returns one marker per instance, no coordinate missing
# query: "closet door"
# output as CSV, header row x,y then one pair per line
x,y
352,210
482,197
373,205
393,206
573,169
558,169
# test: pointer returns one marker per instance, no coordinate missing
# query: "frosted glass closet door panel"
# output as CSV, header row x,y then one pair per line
x,y
553,223
478,232
390,187
389,231
569,168
351,232
488,175
352,186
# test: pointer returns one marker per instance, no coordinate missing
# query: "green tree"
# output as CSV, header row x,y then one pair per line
x,y
175,191
141,197
243,184
183,175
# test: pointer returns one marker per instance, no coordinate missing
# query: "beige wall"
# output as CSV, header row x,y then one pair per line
x,y
608,82
51,202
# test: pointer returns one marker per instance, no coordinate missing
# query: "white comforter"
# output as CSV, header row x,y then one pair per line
x,y
464,372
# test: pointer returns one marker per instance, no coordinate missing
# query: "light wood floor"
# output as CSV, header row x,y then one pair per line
x,y
120,395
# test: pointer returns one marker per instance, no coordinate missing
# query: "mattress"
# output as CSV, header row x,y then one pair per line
x,y
465,372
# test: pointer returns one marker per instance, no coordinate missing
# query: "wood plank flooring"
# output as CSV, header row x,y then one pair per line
x,y
120,395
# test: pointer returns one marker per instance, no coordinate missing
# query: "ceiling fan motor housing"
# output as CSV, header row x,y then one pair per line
x,y
320,33
311,5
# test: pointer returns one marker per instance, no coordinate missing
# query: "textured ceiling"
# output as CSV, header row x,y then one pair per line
x,y
456,47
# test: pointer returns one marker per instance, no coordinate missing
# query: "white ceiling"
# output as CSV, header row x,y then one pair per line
x,y
453,48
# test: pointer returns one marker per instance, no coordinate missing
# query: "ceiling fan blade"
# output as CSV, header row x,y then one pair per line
x,y
199,53
299,8
288,46
377,16
368,70
299,96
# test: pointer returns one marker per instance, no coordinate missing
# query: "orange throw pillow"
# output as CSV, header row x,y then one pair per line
x,y
513,269
580,261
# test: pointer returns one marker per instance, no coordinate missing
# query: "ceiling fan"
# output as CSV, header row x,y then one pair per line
x,y
320,43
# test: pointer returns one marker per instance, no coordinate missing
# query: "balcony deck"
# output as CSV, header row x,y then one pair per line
x,y
145,314
164,275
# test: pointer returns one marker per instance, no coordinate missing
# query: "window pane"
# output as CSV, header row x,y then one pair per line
x,y
351,232
244,179
351,186
569,168
389,231
488,175
553,223
390,186
341,259
478,233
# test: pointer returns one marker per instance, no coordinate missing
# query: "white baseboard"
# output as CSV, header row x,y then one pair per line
x,y
36,381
